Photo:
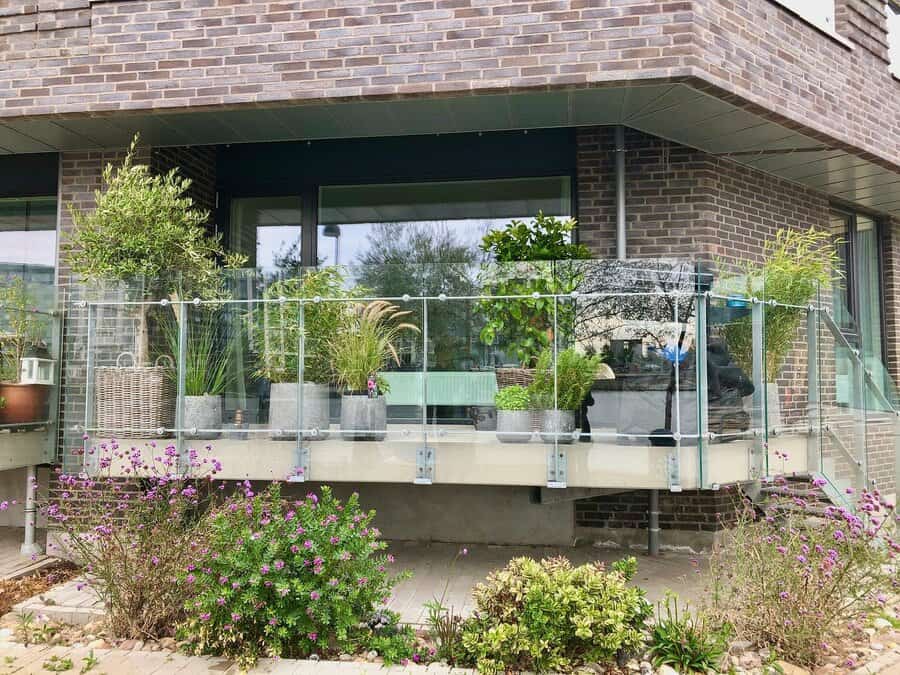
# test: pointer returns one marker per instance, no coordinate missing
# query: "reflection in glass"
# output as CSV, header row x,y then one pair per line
x,y
28,238
267,231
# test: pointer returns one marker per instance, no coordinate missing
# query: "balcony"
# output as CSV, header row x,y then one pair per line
x,y
698,386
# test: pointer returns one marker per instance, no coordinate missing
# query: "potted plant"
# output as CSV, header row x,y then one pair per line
x,y
797,263
528,258
513,414
206,371
278,333
558,392
360,350
20,333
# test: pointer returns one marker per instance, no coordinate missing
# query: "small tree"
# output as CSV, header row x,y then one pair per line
x,y
145,226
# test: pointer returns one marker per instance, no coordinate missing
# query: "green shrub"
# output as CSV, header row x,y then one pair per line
x,y
393,643
514,397
549,615
573,376
281,578
687,642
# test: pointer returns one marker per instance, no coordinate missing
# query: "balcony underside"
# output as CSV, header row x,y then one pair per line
x,y
680,111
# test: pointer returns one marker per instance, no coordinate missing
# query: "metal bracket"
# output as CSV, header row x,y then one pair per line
x,y
302,463
673,470
557,469
424,465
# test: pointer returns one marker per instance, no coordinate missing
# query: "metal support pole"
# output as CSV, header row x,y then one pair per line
x,y
301,452
29,547
424,453
181,374
621,237
88,392
701,354
653,524
813,416
758,460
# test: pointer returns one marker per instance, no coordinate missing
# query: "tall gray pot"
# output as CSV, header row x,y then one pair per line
x,y
513,426
283,404
363,418
202,412
558,425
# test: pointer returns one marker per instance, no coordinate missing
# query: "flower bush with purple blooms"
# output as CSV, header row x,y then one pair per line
x,y
794,583
134,536
285,578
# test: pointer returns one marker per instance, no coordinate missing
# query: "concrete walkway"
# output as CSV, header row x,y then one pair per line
x,y
433,570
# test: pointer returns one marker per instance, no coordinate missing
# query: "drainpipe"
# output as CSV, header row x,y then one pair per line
x,y
29,547
653,524
621,253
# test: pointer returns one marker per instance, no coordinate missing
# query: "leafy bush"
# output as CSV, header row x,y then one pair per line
x,y
514,397
689,643
573,376
791,583
537,257
393,643
281,578
134,536
548,615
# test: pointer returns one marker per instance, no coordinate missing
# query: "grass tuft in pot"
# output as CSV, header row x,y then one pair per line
x,y
560,390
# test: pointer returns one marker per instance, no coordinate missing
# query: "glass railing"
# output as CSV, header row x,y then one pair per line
x,y
30,330
577,373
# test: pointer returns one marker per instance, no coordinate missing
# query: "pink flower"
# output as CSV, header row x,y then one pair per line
x,y
313,636
314,595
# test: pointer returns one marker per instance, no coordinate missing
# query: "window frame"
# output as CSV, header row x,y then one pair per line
x,y
893,37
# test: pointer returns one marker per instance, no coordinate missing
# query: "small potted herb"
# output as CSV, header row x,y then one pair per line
x,y
558,392
360,350
513,414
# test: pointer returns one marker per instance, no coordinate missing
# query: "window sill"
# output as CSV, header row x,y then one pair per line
x,y
828,31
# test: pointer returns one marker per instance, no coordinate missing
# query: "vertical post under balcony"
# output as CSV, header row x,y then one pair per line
x,y
813,414
29,546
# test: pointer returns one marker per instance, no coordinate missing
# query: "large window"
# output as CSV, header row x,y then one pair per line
x,y
893,25
820,13
267,230
427,222
28,238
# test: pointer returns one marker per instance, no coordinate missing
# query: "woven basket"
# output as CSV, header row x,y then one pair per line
x,y
507,377
135,401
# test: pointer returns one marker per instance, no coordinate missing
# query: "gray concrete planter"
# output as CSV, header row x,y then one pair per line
x,y
513,426
363,418
205,413
558,425
283,404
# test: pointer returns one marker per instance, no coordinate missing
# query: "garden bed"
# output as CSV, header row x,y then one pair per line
x,y
14,591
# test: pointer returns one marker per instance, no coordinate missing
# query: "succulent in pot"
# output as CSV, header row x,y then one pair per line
x,y
558,390
363,347
513,414
20,332
278,331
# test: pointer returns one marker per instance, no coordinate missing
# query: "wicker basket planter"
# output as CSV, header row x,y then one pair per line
x,y
135,401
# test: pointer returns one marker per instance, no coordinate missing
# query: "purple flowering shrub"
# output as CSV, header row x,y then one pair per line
x,y
133,536
794,582
285,578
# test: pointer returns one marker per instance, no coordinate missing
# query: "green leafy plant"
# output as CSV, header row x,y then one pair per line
x,y
513,397
146,227
444,624
688,642
570,380
366,343
797,263
391,641
537,257
548,615
58,664
21,327
792,583
25,627
207,352
285,578
277,329
90,662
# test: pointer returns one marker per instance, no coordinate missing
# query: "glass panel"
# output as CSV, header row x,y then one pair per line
x,y
28,238
267,231
424,223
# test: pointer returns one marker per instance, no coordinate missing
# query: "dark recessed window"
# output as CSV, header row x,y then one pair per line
x,y
28,238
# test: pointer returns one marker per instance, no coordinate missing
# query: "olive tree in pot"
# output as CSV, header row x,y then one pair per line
x,y
206,365
278,331
513,414
360,350
20,332
558,392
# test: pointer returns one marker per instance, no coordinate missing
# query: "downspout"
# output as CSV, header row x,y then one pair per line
x,y
29,547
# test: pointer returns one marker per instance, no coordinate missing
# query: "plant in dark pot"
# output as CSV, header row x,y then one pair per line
x,y
278,332
558,392
206,369
513,414
20,334
360,350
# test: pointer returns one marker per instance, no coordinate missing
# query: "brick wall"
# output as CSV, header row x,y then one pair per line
x,y
198,163
78,56
705,511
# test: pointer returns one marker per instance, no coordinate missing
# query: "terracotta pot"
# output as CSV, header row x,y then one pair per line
x,y
25,403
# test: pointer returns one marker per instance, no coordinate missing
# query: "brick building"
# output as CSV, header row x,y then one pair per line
x,y
303,123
